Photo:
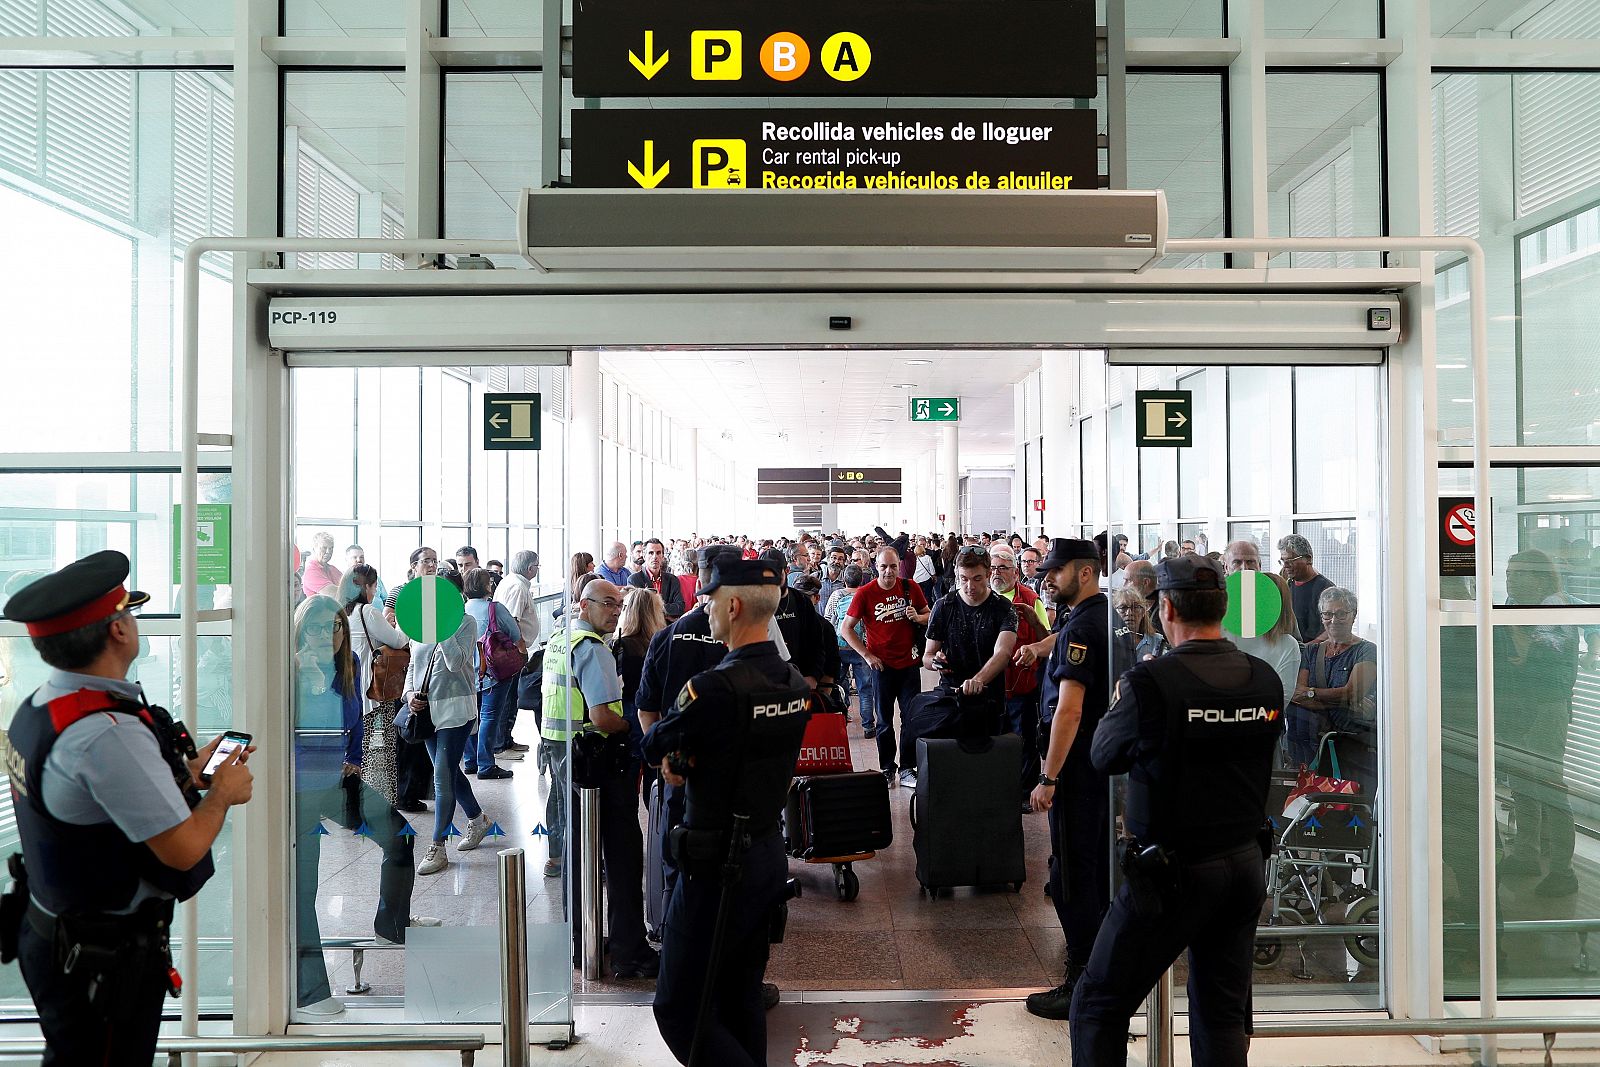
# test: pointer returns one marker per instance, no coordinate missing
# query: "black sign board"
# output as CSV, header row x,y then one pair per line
x,y
1458,537
989,148
808,515
511,421
1029,48
1164,418
828,485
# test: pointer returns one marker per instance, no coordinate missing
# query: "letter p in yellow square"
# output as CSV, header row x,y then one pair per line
x,y
716,55
720,165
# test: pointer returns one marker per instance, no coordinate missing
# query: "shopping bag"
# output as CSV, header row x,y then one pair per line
x,y
825,749
1311,780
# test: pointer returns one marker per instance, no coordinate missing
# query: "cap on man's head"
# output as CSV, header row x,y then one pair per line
x,y
711,553
1066,550
1190,571
83,592
775,556
729,571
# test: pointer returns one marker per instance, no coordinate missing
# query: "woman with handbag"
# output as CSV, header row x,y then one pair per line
x,y
384,654
501,655
328,785
440,704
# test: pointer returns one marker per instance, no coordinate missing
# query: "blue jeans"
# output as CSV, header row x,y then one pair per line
x,y
491,701
866,685
449,781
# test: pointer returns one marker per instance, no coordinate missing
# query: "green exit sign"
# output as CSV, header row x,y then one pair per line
x,y
935,409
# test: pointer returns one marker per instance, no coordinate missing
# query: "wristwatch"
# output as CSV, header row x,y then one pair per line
x,y
1045,779
1311,694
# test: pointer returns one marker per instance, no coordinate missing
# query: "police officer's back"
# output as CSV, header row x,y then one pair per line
x,y
1195,730
113,826
732,739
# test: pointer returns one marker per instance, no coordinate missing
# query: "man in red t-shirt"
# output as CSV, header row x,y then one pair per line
x,y
889,610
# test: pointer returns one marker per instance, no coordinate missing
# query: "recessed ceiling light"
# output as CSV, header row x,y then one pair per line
x,y
919,362
882,420
730,362
905,385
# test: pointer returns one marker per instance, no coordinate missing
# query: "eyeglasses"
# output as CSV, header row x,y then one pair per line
x,y
1338,614
610,602
1291,559
1004,567
974,551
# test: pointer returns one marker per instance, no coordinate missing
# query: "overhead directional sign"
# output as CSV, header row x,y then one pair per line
x,y
834,48
828,485
1164,418
842,148
935,409
511,421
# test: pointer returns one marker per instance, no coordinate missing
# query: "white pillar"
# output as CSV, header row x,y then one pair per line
x,y
1058,396
950,472
583,454
697,522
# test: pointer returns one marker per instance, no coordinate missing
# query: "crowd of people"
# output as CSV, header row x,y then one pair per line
x,y
865,618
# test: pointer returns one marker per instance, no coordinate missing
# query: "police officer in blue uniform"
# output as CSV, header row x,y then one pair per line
x,y
731,740
1075,693
1195,731
114,826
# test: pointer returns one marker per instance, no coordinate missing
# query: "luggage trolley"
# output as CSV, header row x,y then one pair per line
x,y
834,815
1320,835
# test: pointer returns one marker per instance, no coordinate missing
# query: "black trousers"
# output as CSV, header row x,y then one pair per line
x,y
622,847
78,1035
900,684
413,772
737,1033
1022,719
1079,881
1213,914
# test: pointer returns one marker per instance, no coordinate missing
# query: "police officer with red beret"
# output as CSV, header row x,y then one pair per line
x,y
115,828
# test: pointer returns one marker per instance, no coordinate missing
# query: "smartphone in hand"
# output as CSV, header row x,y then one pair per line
x,y
232,741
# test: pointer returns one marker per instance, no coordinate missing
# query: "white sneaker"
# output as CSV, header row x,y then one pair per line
x,y
325,1008
416,920
477,829
435,861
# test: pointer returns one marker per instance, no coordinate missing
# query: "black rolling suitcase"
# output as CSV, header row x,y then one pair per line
x,y
965,823
838,815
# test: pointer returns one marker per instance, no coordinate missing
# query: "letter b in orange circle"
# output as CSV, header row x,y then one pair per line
x,y
785,56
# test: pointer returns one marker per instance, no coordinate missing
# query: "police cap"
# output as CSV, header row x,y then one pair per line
x,y
711,553
1190,571
83,592
1066,550
743,572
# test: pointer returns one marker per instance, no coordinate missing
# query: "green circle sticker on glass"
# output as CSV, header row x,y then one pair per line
x,y
429,609
1254,604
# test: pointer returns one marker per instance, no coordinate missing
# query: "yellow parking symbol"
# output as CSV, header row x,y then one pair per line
x,y
719,164
716,55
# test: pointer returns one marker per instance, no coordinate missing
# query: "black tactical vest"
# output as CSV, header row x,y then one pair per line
x,y
1205,791
751,775
73,868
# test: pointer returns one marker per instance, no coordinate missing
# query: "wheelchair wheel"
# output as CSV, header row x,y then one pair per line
x,y
1269,951
1363,948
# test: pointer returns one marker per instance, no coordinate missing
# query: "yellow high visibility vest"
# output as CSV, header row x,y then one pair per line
x,y
565,712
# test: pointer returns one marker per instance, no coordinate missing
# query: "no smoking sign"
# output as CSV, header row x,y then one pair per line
x,y
1458,537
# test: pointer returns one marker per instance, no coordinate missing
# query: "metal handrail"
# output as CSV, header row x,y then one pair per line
x,y
1546,1026
176,1047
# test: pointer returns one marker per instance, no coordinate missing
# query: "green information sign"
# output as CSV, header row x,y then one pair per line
x,y
935,409
429,609
1164,418
213,538
1254,604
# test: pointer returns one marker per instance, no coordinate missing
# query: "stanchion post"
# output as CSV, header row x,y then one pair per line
x,y
1158,1022
514,957
591,906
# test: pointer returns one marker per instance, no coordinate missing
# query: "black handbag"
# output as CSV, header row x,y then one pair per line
x,y
597,757
530,684
417,724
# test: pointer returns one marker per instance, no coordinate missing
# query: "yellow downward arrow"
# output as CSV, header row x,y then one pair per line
x,y
651,64
649,178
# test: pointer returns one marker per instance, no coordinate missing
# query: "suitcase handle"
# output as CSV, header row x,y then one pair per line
x,y
913,811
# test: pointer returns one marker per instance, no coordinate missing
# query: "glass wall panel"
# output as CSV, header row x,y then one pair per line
x,y
343,18
1547,806
125,18
1330,420
1546,525
1162,18
1250,392
495,18
1323,18
1175,144
105,176
1538,19
1333,549
491,149
1324,162
343,159
1196,473
1258,532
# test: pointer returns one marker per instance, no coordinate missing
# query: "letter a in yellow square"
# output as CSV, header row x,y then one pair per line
x,y
716,55
719,165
